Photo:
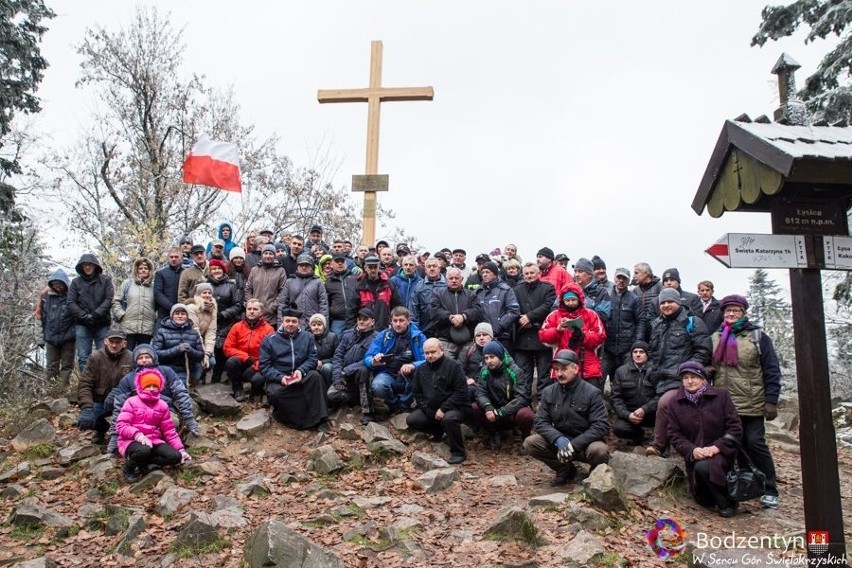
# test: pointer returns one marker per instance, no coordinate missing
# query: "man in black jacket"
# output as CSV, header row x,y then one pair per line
x,y
626,325
571,422
350,379
340,288
633,393
455,311
90,299
440,391
166,284
536,300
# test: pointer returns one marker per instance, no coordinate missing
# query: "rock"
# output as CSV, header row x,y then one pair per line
x,y
38,432
587,517
229,517
341,511
253,485
503,481
582,551
31,513
347,431
640,475
226,502
368,529
427,462
409,509
59,406
437,479
89,510
173,499
43,562
467,432
407,547
374,432
216,399
514,523
49,473
402,528
390,473
201,442
100,466
73,454
324,460
399,422
254,423
16,472
549,500
12,491
135,525
371,502
150,480
604,490
386,447
201,529
117,519
274,544
781,436
211,467
327,494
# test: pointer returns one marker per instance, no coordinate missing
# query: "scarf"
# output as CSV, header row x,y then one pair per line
x,y
726,351
694,396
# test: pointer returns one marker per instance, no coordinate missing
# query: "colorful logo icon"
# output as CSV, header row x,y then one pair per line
x,y
818,542
666,539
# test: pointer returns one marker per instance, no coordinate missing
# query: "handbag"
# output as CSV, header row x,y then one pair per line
x,y
745,481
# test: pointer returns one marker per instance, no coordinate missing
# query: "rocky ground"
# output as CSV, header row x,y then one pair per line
x,y
379,496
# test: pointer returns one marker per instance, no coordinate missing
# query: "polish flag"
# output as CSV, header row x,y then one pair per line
x,y
213,163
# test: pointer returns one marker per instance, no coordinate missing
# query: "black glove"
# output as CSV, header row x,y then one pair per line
x,y
86,421
88,319
250,361
770,411
184,346
576,338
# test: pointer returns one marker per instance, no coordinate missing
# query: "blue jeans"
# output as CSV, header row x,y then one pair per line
x,y
337,327
395,390
87,336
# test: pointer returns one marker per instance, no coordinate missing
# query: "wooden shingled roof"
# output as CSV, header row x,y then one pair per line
x,y
753,159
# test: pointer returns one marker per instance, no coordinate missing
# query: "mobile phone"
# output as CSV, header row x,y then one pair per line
x,y
387,358
290,379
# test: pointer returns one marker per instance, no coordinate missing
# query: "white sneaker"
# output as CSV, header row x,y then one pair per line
x,y
769,501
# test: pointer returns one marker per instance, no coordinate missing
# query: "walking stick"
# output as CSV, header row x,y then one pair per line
x,y
186,366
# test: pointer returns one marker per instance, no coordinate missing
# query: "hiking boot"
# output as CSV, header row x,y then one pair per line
x,y
366,418
240,396
727,512
323,426
99,438
769,501
456,458
130,473
564,476
494,442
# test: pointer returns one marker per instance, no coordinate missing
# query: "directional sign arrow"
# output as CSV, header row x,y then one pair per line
x,y
744,250
719,251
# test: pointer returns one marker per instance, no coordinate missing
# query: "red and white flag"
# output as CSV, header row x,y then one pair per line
x,y
213,163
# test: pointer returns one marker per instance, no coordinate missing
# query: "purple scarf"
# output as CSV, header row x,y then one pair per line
x,y
726,352
694,396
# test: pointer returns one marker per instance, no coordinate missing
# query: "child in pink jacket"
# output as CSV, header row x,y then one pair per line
x,y
146,432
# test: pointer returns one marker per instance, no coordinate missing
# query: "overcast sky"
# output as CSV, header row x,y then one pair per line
x,y
582,126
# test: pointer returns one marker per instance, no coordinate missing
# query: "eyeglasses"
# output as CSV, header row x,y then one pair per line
x,y
734,311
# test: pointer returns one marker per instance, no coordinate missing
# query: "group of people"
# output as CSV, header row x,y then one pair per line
x,y
506,344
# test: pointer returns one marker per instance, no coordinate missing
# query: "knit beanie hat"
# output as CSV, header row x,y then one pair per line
x,y
202,286
216,262
318,317
733,300
598,263
494,348
640,345
177,307
546,252
483,327
268,248
584,265
671,274
693,367
237,252
149,377
492,266
670,295
305,259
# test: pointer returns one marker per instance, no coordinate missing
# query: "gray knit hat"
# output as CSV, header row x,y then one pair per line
x,y
670,295
483,327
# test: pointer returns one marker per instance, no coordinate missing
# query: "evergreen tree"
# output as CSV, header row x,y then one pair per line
x,y
769,310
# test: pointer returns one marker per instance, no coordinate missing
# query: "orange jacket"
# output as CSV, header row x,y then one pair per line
x,y
243,341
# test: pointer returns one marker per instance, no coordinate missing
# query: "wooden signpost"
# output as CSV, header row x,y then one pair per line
x,y
373,95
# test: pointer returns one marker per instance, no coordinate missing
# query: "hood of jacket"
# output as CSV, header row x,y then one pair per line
x,y
148,397
89,257
572,287
145,348
222,225
59,275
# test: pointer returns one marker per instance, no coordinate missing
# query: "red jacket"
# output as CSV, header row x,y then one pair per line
x,y
244,341
594,333
557,276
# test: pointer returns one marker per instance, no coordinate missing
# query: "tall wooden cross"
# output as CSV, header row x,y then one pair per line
x,y
373,96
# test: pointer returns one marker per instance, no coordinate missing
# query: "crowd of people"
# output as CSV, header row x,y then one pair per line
x,y
561,356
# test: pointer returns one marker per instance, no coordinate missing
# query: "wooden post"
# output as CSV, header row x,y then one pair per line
x,y
373,96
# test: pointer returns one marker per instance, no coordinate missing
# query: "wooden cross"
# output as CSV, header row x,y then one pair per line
x,y
373,96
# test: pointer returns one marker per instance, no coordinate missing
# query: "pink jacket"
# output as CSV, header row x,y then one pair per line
x,y
148,414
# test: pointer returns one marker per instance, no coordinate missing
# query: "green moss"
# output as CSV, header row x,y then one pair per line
x,y
523,528
110,488
218,544
26,533
609,560
39,451
355,463
189,476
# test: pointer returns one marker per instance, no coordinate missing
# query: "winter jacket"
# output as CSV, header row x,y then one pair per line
x,y
282,354
340,289
445,303
632,388
229,242
229,305
626,325
593,336
505,390
102,373
499,308
145,413
166,289
471,359
134,305
648,295
308,294
326,346
536,301
756,378
712,316
244,339
379,295
189,279
91,295
674,340
598,299
440,386
166,344
384,343
576,411
406,287
557,276
422,312
265,282
57,322
204,321
349,355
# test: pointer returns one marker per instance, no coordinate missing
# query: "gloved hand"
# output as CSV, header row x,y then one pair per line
x,y
770,411
576,338
86,421
88,319
184,346
185,457
195,431
208,304
142,439
565,454
561,442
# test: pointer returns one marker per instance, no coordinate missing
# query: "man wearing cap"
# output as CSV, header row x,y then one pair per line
x,y
458,260
440,393
633,393
474,280
677,336
535,299
191,276
350,379
304,291
600,273
224,234
242,350
550,271
374,290
340,287
315,238
166,282
498,303
562,260
746,365
454,313
294,388
432,283
597,296
571,422
626,325
185,245
216,249
265,282
255,254
101,374
503,396
647,288
671,279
